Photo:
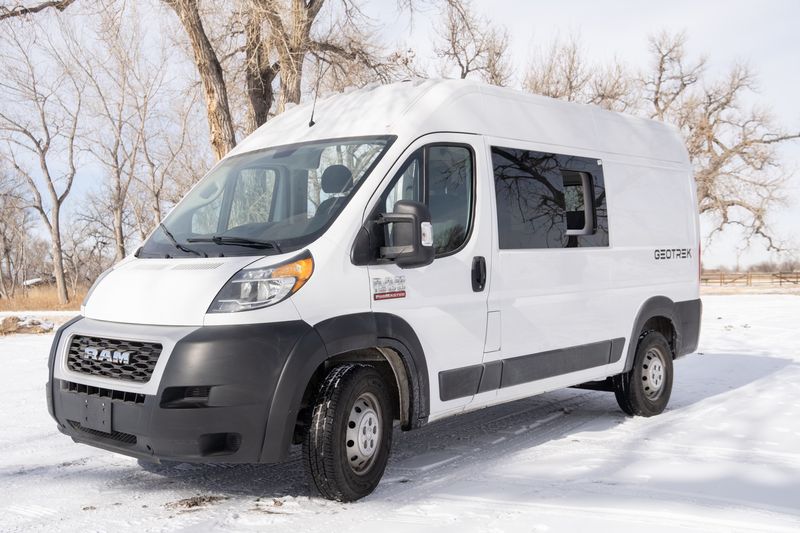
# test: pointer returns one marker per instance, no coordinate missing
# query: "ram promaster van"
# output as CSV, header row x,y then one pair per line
x,y
412,252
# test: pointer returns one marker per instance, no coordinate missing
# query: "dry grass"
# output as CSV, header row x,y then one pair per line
x,y
42,299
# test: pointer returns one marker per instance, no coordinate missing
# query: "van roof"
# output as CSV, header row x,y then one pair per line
x,y
413,108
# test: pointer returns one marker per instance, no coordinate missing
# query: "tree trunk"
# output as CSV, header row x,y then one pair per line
x,y
259,73
23,266
291,84
3,289
58,258
156,208
220,122
119,236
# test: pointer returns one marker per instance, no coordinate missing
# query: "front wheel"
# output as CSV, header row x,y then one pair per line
x,y
347,444
645,390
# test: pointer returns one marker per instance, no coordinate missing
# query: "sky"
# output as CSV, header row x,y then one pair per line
x,y
763,34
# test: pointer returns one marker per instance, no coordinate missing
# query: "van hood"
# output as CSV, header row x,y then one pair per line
x,y
170,292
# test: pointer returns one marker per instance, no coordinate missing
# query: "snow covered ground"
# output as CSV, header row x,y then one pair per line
x,y
724,457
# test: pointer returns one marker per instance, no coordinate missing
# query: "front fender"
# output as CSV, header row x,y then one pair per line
x,y
333,337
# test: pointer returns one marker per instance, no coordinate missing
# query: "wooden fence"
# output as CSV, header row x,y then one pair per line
x,y
750,279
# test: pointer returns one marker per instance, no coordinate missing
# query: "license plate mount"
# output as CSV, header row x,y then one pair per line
x,y
97,414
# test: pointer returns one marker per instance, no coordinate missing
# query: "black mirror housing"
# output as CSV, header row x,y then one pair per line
x,y
411,235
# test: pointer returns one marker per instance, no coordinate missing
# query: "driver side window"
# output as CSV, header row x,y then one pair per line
x,y
442,177
407,184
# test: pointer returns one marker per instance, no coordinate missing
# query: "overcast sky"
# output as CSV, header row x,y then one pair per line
x,y
762,33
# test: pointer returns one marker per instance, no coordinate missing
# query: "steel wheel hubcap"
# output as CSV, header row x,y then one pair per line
x,y
363,435
653,373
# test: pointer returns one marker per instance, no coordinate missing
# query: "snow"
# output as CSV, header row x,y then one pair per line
x,y
61,314
725,456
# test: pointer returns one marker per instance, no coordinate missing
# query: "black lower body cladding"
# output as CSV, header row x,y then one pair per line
x,y
213,402
685,318
688,316
230,393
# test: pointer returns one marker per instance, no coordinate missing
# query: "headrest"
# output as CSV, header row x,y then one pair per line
x,y
336,179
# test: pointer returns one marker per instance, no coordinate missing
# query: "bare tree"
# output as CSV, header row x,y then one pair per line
x,y
614,87
15,226
190,163
290,24
268,44
671,77
39,118
164,139
473,44
7,12
498,64
85,255
344,57
119,82
562,71
732,146
277,38
172,159
220,120
260,69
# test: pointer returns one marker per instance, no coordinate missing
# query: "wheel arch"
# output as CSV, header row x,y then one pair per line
x,y
658,314
378,337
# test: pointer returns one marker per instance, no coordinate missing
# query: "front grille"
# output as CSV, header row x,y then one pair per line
x,y
100,392
107,361
123,438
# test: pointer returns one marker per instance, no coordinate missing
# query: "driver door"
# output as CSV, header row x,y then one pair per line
x,y
445,308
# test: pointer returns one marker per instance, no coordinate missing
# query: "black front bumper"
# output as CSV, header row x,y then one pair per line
x,y
213,402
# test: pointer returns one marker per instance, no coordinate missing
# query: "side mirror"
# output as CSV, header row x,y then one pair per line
x,y
411,235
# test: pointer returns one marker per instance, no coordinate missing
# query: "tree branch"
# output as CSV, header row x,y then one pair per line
x,y
20,11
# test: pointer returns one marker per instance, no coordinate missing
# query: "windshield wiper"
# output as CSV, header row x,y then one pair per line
x,y
178,245
239,241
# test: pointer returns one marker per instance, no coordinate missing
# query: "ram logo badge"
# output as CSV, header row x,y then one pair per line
x,y
112,356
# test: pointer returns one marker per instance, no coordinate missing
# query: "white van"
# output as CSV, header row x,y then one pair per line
x,y
414,251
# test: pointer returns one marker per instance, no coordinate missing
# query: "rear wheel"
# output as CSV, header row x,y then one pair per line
x,y
349,437
645,390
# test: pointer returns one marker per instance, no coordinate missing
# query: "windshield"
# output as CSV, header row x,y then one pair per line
x,y
269,201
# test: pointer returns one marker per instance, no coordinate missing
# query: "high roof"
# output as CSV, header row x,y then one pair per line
x,y
413,108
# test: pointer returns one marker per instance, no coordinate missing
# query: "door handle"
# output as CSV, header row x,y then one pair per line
x,y
478,273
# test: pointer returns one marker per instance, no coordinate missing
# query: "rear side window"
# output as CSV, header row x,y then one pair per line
x,y
547,200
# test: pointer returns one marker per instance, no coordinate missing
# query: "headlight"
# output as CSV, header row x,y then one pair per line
x,y
259,287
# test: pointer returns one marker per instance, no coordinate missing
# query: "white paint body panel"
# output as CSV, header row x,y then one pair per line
x,y
538,299
175,292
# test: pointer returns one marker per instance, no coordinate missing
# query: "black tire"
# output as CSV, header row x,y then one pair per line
x,y
353,399
645,390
